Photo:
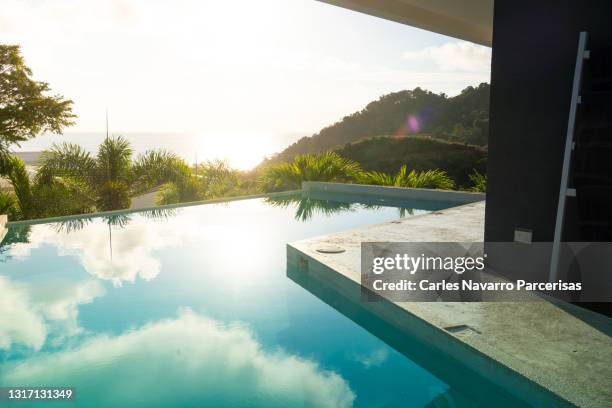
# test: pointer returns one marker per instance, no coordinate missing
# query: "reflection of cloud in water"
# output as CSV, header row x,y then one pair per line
x,y
132,247
191,360
29,313
20,323
374,359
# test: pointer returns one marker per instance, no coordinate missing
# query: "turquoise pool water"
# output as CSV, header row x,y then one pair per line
x,y
194,307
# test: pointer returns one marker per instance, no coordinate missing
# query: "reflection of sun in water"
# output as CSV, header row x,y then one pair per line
x,y
242,151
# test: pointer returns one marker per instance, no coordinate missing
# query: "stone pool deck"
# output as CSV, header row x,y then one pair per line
x,y
545,354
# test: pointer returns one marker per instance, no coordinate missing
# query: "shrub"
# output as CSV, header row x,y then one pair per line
x,y
328,166
113,195
480,182
435,178
8,206
168,194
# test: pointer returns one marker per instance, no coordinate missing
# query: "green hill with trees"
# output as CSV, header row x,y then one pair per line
x,y
462,118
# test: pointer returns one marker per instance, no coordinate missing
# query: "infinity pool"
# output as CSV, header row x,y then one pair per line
x,y
193,307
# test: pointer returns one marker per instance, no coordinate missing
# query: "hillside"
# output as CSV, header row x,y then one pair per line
x,y
462,118
389,153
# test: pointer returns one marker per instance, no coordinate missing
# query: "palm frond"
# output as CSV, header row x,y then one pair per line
x,y
156,167
66,160
18,176
435,178
328,166
376,178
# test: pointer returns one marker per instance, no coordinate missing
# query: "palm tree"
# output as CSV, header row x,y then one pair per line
x,y
112,177
40,198
435,178
328,166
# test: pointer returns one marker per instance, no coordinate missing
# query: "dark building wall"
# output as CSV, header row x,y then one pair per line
x,y
534,53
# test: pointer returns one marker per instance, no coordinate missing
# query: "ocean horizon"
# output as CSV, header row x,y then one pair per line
x,y
191,147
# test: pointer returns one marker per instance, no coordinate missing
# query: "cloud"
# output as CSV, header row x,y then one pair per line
x,y
459,56
198,360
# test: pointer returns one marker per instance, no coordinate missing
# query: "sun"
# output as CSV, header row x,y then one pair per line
x,y
242,150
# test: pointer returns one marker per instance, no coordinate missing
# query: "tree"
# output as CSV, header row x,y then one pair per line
x,y
26,108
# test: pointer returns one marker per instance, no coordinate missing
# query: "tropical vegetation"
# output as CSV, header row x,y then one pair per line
x,y
418,152
70,180
479,182
435,178
331,167
111,178
328,166
27,109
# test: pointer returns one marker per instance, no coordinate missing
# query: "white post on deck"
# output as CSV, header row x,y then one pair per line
x,y
564,190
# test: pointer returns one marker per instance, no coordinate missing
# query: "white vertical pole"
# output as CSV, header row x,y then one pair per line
x,y
567,155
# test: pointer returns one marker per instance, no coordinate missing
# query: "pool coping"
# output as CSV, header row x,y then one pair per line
x,y
419,194
342,188
539,350
102,214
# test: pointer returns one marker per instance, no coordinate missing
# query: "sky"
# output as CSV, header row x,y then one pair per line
x,y
238,80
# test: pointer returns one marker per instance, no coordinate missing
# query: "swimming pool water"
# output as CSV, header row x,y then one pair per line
x,y
193,307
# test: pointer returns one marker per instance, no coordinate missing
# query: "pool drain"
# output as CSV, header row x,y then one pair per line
x,y
330,249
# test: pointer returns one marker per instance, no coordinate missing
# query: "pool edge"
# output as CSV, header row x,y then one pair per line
x,y
454,197
101,214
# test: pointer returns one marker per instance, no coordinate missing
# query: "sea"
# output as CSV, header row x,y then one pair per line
x,y
240,152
